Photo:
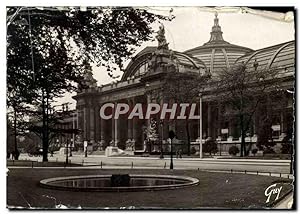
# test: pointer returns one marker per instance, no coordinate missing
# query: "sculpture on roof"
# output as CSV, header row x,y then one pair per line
x,y
88,80
161,38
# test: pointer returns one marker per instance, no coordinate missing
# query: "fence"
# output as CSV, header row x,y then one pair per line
x,y
132,165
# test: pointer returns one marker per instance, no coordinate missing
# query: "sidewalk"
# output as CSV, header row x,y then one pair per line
x,y
285,162
286,203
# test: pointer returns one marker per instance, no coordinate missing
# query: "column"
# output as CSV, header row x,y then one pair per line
x,y
148,101
129,124
209,134
283,123
219,120
102,131
115,127
134,126
129,142
283,117
92,125
85,131
97,123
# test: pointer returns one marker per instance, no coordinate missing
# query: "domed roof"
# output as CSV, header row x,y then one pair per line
x,y
281,56
218,54
184,63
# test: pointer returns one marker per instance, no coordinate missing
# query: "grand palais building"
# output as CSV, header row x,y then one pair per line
x,y
142,83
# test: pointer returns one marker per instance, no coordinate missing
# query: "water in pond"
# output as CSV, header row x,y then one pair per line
x,y
106,182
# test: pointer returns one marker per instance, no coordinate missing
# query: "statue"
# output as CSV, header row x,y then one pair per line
x,y
88,80
162,42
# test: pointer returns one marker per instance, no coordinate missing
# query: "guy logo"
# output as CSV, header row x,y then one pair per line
x,y
272,190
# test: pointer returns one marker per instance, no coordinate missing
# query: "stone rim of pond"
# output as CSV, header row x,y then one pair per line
x,y
188,181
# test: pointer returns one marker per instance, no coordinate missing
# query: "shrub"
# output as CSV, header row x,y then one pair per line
x,y
210,147
286,146
233,150
193,150
254,151
268,150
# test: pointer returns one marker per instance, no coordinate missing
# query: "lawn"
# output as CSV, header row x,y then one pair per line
x,y
28,163
215,190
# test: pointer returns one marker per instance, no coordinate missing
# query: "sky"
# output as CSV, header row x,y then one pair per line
x,y
192,26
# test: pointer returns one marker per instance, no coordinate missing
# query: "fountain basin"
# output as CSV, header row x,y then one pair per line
x,y
102,183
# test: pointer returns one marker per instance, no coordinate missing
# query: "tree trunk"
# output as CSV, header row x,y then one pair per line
x,y
188,137
242,135
44,128
16,152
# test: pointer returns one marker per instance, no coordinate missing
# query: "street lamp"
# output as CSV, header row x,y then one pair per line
x,y
200,125
171,136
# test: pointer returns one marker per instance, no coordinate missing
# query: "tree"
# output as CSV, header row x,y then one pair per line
x,y
233,150
244,90
49,50
183,88
210,146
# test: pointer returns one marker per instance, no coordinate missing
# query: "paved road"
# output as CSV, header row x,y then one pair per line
x,y
274,166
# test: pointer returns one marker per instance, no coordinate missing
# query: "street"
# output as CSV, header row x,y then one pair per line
x,y
254,165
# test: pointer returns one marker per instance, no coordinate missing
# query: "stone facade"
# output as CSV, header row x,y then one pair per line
x,y
142,83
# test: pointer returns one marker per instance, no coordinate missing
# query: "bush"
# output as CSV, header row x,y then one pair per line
x,y
268,150
286,146
233,150
254,151
193,150
210,147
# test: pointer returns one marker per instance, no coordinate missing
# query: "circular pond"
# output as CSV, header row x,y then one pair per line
x,y
118,183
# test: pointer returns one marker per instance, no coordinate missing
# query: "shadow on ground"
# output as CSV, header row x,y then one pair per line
x,y
215,190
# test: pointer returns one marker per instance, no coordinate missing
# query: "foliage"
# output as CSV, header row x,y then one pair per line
x,y
193,150
48,52
243,90
254,151
233,150
268,150
183,88
210,146
264,139
287,145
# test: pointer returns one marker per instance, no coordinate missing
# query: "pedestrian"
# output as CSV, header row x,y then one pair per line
x,y
8,155
180,153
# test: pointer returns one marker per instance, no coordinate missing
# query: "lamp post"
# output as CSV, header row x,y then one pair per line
x,y
171,136
200,125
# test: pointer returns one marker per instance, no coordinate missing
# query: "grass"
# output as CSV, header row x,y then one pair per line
x,y
216,190
29,163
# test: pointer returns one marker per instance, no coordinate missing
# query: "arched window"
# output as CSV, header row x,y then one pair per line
x,y
142,69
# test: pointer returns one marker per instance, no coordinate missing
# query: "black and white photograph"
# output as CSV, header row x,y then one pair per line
x,y
150,108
